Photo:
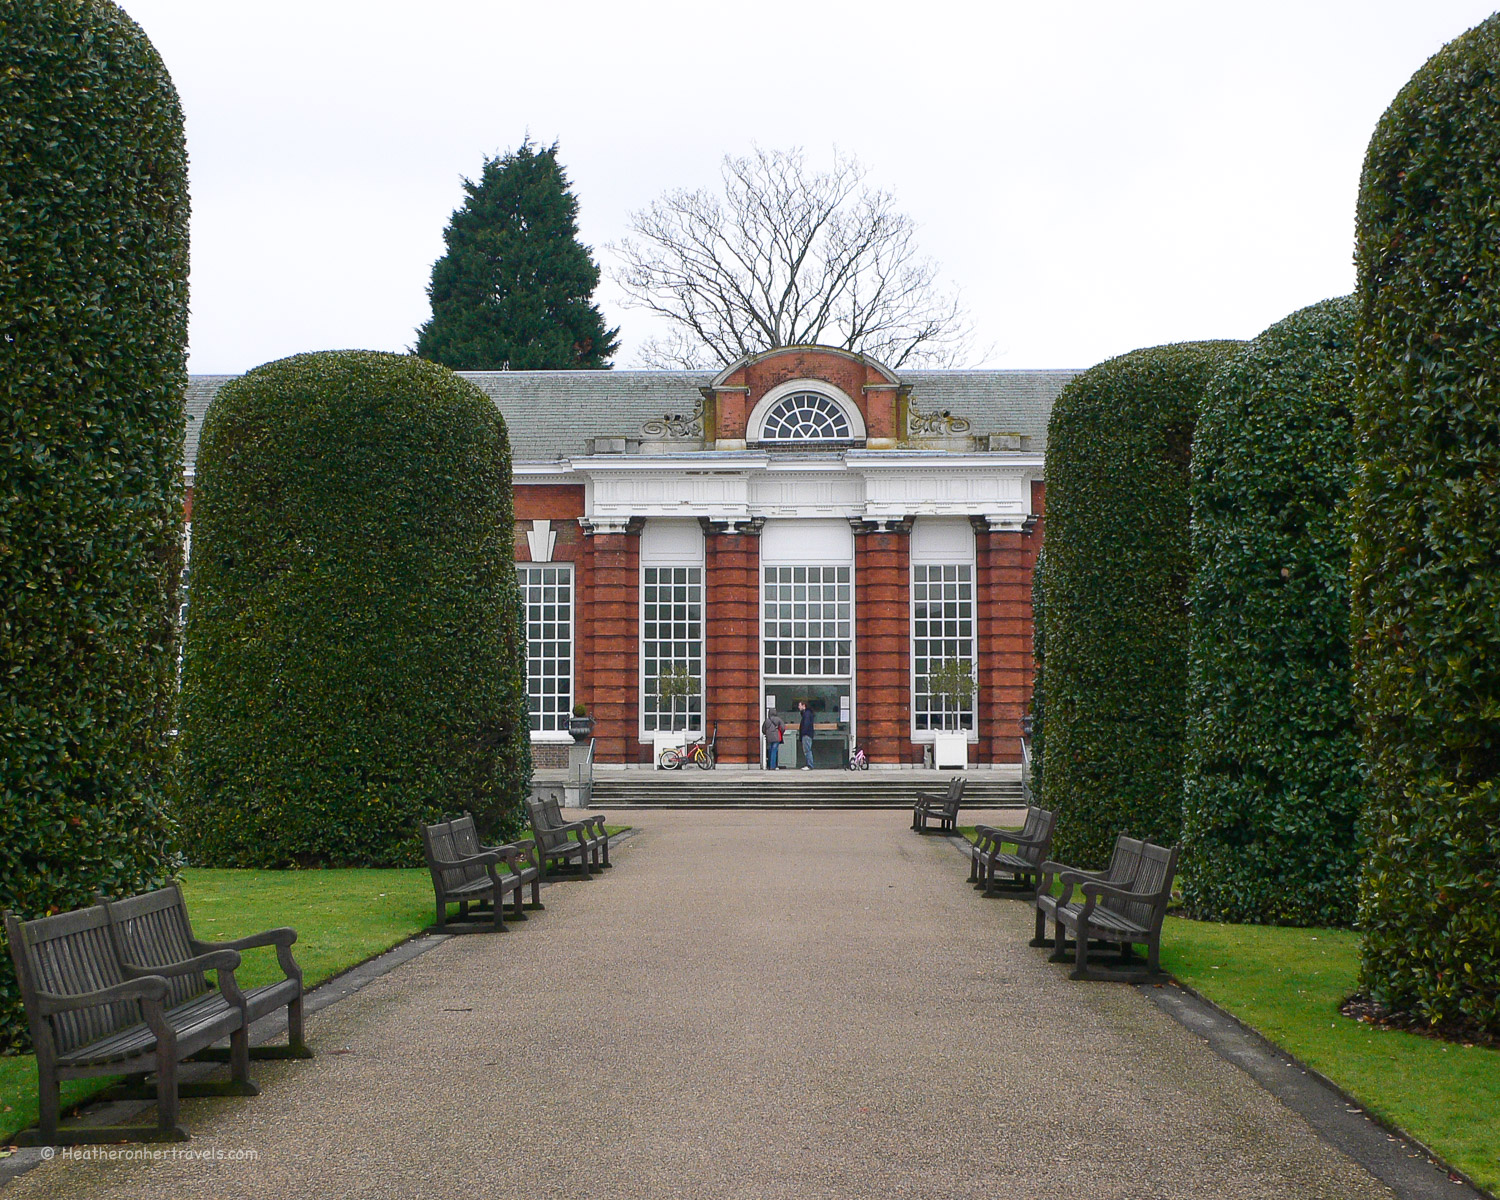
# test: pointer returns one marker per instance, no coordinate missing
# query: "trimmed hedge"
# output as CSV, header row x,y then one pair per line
x,y
1038,708
1273,788
1426,560
1118,565
355,656
93,333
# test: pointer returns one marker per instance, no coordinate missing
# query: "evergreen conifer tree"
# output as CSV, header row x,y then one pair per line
x,y
515,287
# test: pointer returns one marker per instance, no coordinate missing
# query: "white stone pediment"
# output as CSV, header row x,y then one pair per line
x,y
859,485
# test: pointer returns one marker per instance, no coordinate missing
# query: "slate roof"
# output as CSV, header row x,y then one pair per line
x,y
550,414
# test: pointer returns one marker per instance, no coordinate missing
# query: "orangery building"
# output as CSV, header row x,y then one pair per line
x,y
696,548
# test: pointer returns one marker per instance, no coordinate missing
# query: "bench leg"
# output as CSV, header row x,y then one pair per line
x,y
1040,938
1059,943
605,838
296,1038
1081,954
166,1089
48,1107
239,1064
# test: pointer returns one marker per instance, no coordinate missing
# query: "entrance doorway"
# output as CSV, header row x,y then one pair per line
x,y
829,700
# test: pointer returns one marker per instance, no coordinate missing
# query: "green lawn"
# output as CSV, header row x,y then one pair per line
x,y
1288,985
342,918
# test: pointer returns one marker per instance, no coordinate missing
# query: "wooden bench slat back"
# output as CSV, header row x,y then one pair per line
x,y
441,849
466,845
547,835
553,808
71,954
1037,828
153,930
1152,882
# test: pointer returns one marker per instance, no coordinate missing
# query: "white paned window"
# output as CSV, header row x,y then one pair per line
x,y
805,417
547,593
672,647
808,618
942,631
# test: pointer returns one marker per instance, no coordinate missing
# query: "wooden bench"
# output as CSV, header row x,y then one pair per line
x,y
463,873
90,1016
590,828
1123,864
1123,913
942,809
569,843
152,934
988,859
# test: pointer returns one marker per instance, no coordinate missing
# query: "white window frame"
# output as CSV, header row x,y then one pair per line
x,y
563,570
944,544
694,657
755,424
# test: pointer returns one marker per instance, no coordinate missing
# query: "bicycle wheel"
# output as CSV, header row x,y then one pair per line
x,y
864,764
704,757
669,759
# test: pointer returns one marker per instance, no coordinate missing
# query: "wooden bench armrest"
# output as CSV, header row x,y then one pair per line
x,y
1094,889
214,960
146,988
283,936
485,858
1004,833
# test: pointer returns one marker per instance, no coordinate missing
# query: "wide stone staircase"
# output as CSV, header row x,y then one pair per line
x,y
728,787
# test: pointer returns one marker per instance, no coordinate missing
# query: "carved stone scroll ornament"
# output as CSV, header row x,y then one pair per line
x,y
936,424
672,426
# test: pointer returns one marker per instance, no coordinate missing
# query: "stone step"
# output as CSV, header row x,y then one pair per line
x,y
793,789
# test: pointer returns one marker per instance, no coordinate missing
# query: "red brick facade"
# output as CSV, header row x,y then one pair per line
x,y
732,642
606,551
882,645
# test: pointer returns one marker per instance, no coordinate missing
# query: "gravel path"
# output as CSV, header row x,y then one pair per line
x,y
751,1004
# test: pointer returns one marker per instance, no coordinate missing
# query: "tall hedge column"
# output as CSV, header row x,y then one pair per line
x,y
355,650
93,333
1118,565
1426,561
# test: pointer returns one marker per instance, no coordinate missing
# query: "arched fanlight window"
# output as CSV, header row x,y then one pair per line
x,y
805,417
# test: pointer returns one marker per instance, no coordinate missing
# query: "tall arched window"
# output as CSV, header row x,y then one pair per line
x,y
806,417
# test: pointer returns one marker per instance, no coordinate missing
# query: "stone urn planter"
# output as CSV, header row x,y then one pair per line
x,y
581,726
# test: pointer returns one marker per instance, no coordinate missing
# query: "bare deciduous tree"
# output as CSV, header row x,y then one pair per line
x,y
787,257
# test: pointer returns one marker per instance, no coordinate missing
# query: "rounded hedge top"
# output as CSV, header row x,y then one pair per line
x,y
1273,786
354,658
1118,564
1426,558
93,334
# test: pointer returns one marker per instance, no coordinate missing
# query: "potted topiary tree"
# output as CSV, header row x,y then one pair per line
x,y
952,680
581,725
675,685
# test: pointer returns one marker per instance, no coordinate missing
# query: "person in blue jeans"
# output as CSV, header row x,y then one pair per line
x,y
774,729
805,733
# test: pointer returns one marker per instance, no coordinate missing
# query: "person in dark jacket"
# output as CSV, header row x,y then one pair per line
x,y
805,733
774,729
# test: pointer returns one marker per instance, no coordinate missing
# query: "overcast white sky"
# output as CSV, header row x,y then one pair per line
x,y
1094,175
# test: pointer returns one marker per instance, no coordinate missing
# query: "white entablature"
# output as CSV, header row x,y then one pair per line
x,y
860,485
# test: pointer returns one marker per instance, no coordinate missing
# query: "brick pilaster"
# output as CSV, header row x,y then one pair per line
x,y
882,639
1003,603
607,658
731,652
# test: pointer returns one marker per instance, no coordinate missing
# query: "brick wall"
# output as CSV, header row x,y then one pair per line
x,y
732,643
606,658
882,638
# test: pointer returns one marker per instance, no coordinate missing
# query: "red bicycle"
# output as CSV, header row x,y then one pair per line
x,y
704,754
